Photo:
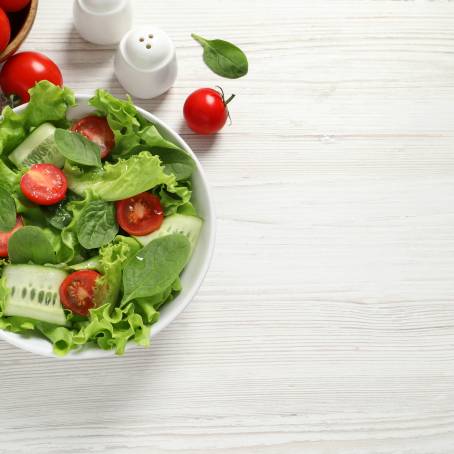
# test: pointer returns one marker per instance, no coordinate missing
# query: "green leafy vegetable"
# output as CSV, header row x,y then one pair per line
x,y
30,244
77,148
223,58
111,260
48,103
7,211
58,216
126,178
155,267
134,134
9,179
97,225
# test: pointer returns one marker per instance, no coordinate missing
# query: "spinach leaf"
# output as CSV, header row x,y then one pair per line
x,y
223,58
58,215
7,211
155,267
77,148
97,225
30,244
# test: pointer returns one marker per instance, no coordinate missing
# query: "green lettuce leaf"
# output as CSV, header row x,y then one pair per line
x,y
126,178
48,103
133,134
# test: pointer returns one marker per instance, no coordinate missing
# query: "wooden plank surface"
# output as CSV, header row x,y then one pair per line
x,y
326,322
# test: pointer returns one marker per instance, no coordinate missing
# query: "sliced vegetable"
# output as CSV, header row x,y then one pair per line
x,y
223,58
188,226
44,184
141,214
38,147
5,236
33,292
77,291
97,130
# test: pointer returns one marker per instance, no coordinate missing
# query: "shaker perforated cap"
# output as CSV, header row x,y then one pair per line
x,y
147,48
102,6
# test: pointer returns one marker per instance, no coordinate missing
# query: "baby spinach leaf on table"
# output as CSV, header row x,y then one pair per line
x,y
155,267
30,244
223,58
97,225
77,148
7,211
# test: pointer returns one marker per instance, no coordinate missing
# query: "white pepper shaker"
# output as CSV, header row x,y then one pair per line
x,y
102,21
146,62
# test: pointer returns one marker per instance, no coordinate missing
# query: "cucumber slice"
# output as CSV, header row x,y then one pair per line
x,y
38,147
34,293
189,226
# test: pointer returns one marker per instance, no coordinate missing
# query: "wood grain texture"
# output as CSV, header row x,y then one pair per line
x,y
326,322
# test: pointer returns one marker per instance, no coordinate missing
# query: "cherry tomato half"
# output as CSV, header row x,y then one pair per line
x,y
77,291
23,70
98,131
13,5
44,184
5,236
141,214
5,30
205,110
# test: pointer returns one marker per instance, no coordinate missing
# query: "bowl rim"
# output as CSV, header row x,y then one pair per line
x,y
22,34
210,221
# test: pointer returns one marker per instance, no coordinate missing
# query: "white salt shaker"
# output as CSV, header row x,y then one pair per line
x,y
146,62
102,21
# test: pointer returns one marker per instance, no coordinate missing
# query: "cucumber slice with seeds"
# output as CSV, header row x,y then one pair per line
x,y
189,226
38,147
34,293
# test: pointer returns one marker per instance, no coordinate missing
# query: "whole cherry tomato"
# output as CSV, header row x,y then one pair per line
x,y
11,6
23,70
5,30
205,110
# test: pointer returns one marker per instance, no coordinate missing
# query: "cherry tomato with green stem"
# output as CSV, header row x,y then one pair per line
x,y
205,110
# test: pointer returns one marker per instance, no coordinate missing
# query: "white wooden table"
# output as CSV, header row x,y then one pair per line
x,y
326,322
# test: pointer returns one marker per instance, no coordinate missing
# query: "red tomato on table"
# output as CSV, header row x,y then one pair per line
x,y
5,30
44,184
23,70
141,214
98,131
5,236
77,291
205,110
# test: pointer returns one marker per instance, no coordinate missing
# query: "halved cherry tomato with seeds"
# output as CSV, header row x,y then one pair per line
x,y
5,236
77,291
44,184
98,131
141,214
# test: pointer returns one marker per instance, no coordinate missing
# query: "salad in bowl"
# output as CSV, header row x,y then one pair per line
x,y
97,223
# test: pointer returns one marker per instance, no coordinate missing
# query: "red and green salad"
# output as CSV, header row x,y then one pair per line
x,y
96,221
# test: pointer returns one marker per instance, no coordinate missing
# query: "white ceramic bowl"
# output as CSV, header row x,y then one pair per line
x,y
193,274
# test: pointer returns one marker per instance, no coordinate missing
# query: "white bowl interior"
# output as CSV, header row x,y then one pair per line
x,y
193,274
